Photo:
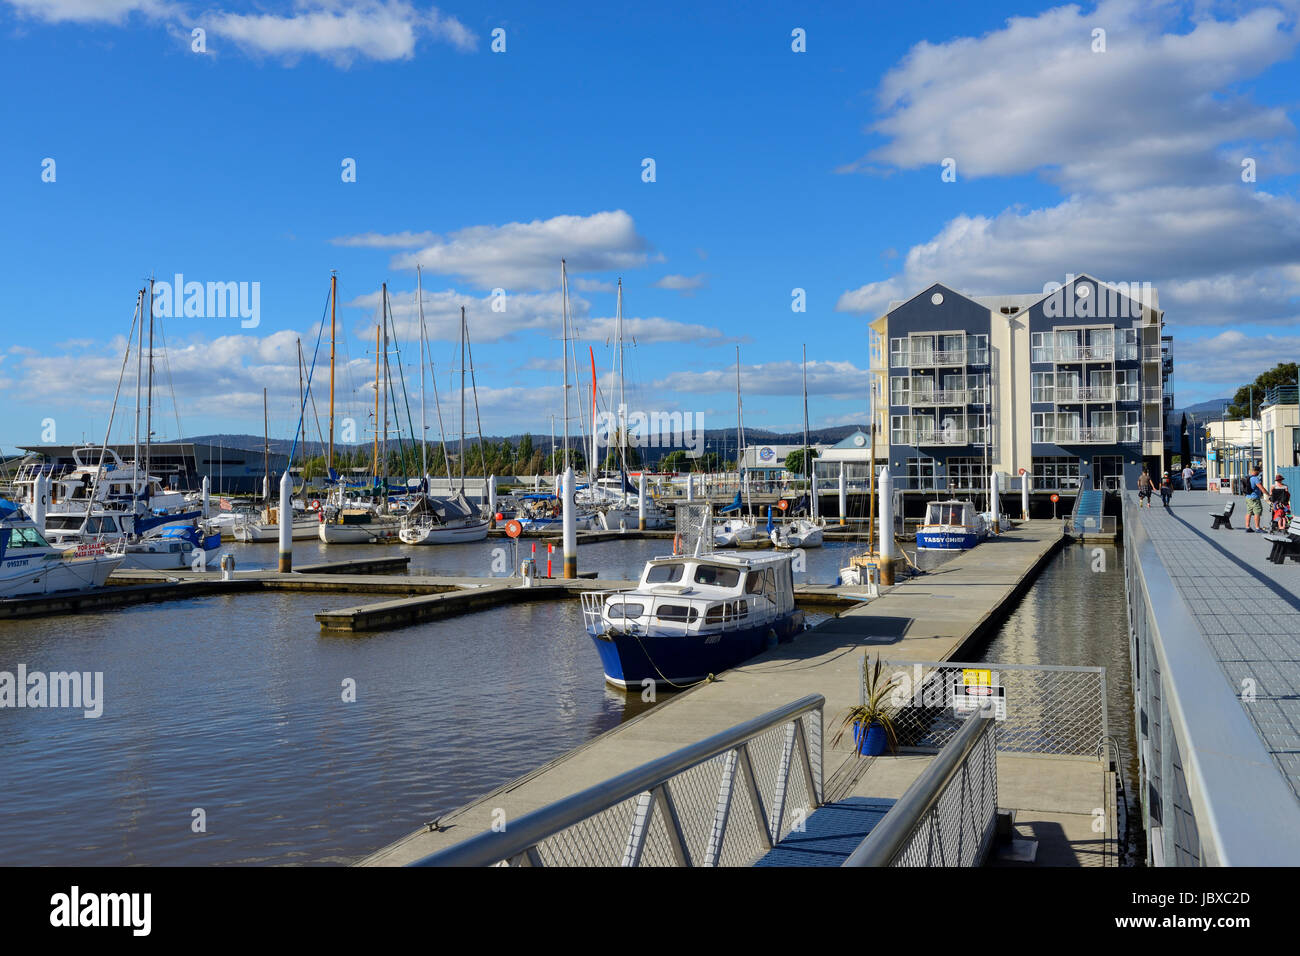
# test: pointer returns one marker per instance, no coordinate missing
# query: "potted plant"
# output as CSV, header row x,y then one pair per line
x,y
873,729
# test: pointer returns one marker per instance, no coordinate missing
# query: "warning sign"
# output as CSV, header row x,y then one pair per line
x,y
970,698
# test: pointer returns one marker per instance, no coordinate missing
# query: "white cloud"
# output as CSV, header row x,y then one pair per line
x,y
340,30
1220,364
89,11
379,240
1210,239
1156,107
686,285
526,255
337,30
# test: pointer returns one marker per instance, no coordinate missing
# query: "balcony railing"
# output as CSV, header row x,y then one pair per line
x,y
1103,435
921,437
943,396
1152,394
1084,393
1281,395
1151,353
1153,434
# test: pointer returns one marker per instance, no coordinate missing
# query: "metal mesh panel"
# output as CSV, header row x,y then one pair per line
x,y
694,527
714,803
959,827
1050,710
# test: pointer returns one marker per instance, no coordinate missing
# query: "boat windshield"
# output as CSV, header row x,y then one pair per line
x,y
717,576
664,573
26,538
947,513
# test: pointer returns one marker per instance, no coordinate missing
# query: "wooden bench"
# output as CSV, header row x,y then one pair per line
x,y
1223,519
1286,543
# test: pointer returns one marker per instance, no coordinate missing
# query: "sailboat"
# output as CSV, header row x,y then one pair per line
x,y
102,500
432,519
803,531
617,503
736,528
264,525
345,520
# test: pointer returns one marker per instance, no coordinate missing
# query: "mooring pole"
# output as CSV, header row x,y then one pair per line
x,y
570,527
286,522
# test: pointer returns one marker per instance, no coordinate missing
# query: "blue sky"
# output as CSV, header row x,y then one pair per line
x,y
774,170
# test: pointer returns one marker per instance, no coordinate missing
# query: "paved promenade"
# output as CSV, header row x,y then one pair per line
x,y
1247,608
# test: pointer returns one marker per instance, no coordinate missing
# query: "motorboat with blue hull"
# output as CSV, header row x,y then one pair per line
x,y
951,526
690,617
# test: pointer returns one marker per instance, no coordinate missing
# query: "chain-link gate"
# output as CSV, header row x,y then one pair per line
x,y
1051,709
694,527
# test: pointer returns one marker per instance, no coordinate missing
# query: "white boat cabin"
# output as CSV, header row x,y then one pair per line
x,y
710,593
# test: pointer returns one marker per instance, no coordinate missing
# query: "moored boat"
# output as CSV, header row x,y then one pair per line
x,y
951,526
692,616
30,566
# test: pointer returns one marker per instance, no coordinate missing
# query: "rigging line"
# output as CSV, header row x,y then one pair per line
x,y
315,352
406,399
469,351
426,352
103,449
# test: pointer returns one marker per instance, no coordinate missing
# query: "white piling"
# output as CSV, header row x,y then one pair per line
x,y
640,501
885,511
570,527
1024,497
993,500
492,501
40,501
286,523
812,493
690,487
206,492
844,496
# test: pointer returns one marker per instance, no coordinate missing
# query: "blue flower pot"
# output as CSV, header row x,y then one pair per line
x,y
875,743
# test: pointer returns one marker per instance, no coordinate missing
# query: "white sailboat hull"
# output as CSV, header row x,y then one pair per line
x,y
433,535
304,529
370,532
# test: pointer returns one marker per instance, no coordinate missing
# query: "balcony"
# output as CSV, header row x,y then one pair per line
x,y
1102,435
1152,394
943,396
949,436
1281,395
939,358
1151,353
1077,394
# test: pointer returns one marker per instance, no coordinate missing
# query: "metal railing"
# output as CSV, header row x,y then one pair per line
x,y
948,815
1051,709
1090,524
1212,793
724,801
943,396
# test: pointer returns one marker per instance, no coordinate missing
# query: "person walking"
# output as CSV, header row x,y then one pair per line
x,y
1281,496
1145,487
1166,490
1255,496
1187,477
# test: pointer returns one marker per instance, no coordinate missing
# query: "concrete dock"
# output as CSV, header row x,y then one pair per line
x,y
941,615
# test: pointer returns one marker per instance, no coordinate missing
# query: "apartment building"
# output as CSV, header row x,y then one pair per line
x,y
1071,385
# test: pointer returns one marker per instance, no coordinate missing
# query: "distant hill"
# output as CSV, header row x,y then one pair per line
x,y
1204,409
714,438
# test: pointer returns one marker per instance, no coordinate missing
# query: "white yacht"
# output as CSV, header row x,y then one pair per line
x,y
31,566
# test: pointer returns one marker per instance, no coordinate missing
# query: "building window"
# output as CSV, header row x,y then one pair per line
x,y
966,474
921,474
900,390
1126,385
898,353
1042,388
1131,427
977,350
900,432
979,389
1056,472
1126,345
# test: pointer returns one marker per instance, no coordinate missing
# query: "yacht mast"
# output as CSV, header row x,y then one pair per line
x,y
383,501
375,468
622,394
139,364
807,468
564,348
738,425
424,434
148,414
329,461
266,450
462,400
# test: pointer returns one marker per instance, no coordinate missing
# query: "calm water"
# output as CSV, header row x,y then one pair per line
x,y
1076,613
495,557
233,705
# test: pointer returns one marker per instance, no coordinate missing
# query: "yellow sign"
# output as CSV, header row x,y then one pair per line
x,y
972,677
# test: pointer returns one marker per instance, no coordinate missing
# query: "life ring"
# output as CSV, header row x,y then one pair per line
x,y
315,504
